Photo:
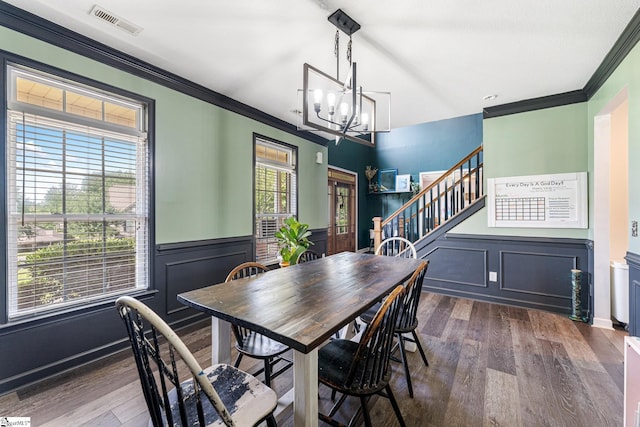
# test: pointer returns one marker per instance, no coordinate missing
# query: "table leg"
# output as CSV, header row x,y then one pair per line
x,y
220,341
305,385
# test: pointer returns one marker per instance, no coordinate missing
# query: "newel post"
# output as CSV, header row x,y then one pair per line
x,y
377,232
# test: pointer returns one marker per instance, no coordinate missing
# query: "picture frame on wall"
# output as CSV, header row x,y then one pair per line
x,y
428,178
403,182
387,179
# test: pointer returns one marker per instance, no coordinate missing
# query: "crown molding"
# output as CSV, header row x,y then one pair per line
x,y
39,28
620,49
533,104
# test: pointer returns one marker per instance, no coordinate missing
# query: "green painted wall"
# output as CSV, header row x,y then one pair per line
x,y
552,140
557,140
626,76
204,154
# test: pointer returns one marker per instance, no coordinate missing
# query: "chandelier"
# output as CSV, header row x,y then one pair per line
x,y
342,108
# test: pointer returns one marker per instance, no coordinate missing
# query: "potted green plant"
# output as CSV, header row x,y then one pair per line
x,y
292,240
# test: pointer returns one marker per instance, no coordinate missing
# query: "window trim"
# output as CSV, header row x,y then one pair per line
x,y
7,59
93,91
277,143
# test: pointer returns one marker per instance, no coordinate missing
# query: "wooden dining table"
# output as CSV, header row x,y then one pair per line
x,y
301,306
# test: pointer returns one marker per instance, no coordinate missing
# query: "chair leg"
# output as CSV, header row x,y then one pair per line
x,y
417,340
354,419
405,364
365,411
271,421
396,408
337,405
238,359
267,372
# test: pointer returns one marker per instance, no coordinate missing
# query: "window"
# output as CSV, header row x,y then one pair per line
x,y
275,194
77,194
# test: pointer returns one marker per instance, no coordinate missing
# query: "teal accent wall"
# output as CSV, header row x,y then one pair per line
x,y
553,140
204,154
356,157
413,149
429,146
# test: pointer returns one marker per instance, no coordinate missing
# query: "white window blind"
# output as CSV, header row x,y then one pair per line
x,y
275,195
77,202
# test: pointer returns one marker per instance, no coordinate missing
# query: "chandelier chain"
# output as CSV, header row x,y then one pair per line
x,y
349,51
336,53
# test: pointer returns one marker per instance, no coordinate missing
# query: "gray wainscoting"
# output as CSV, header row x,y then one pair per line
x,y
182,267
634,293
521,271
33,350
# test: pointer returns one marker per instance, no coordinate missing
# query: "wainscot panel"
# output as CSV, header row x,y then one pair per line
x,y
543,274
319,239
634,293
521,271
182,267
445,266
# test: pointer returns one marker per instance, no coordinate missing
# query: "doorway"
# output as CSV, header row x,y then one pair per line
x,y
341,189
611,197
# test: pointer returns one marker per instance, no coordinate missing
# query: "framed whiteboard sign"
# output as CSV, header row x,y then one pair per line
x,y
538,201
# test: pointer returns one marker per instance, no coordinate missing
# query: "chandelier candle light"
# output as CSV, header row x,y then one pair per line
x,y
339,108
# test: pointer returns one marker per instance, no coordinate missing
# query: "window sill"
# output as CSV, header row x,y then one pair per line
x,y
37,319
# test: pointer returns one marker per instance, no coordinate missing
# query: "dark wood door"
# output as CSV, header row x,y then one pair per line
x,y
342,218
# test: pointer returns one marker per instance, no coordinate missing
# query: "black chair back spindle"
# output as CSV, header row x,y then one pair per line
x,y
252,344
306,256
367,363
178,392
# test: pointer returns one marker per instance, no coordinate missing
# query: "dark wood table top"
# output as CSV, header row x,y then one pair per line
x,y
305,304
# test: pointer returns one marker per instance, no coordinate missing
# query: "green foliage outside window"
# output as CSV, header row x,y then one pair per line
x,y
103,264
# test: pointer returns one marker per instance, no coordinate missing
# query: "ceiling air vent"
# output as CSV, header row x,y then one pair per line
x,y
106,16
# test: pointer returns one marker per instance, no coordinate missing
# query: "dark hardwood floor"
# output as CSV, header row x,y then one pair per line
x,y
489,365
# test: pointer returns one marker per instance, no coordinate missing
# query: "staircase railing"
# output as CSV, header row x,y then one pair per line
x,y
455,190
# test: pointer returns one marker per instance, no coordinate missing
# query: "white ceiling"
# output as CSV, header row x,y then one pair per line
x,y
437,58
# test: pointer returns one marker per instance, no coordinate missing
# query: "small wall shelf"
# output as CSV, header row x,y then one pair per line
x,y
382,193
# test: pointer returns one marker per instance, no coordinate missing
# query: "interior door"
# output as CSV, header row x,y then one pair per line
x,y
342,218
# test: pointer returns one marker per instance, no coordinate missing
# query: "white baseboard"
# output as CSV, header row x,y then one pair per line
x,y
602,323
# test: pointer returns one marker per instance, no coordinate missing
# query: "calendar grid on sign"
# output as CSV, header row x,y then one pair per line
x,y
520,209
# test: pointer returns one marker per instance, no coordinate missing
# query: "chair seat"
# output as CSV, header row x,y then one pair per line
x,y
247,399
260,347
362,368
334,362
368,315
